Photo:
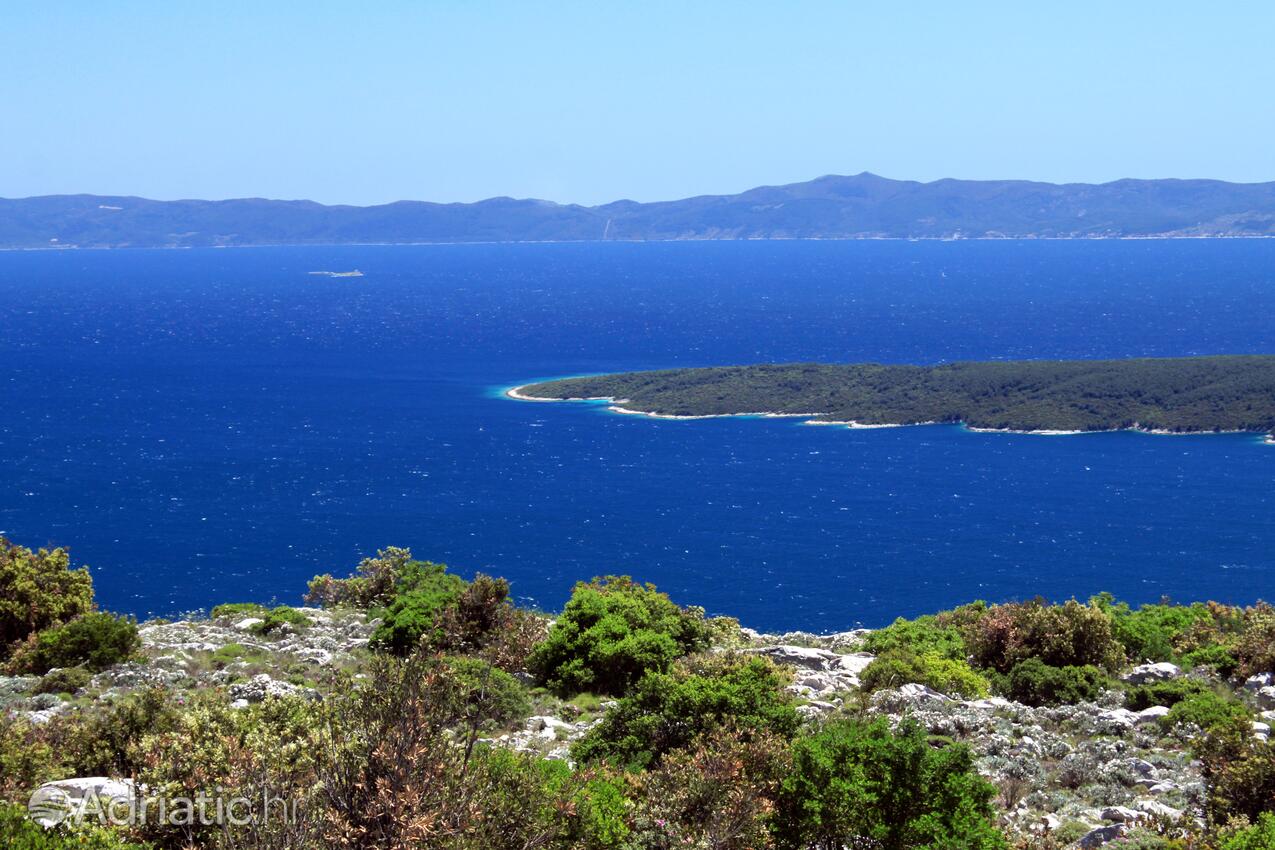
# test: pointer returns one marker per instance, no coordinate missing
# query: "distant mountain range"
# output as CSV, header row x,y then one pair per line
x,y
864,206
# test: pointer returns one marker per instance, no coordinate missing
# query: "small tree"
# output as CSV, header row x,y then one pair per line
x,y
612,632
37,590
855,783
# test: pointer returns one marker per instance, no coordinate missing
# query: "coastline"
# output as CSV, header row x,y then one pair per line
x,y
614,405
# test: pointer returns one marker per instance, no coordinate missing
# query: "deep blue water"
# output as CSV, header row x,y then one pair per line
x,y
212,425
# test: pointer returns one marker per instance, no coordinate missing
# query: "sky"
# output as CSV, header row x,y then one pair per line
x,y
590,102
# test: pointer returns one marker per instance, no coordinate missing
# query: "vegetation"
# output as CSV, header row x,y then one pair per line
x,y
855,783
38,590
686,737
613,632
1172,394
667,711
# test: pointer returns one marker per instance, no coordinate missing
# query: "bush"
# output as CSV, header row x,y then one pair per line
x,y
67,680
717,793
374,584
1239,771
611,633
238,610
38,590
667,711
1152,632
899,667
1168,693
1259,836
1255,651
1206,709
1067,635
424,591
1033,682
922,636
856,783
96,641
493,694
275,619
1218,658
19,832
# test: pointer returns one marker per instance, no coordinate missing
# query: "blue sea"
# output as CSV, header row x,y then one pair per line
x,y
213,425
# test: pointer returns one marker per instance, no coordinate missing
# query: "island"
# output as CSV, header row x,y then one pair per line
x,y
1179,395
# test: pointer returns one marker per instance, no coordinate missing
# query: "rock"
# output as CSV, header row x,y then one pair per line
x,y
1261,731
1142,767
1050,822
85,796
262,687
1266,697
1121,814
920,693
247,623
1158,809
42,702
1155,712
1164,786
1119,718
797,656
239,703
1261,680
1101,835
1161,671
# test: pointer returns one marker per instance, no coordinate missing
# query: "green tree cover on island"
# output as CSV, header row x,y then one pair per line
x,y
1185,394
703,747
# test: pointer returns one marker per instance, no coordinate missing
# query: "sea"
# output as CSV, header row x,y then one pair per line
x,y
213,425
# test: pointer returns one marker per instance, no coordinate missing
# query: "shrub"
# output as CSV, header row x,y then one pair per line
x,y
1067,635
275,619
611,633
109,739
898,667
1239,771
1259,836
717,793
856,783
1255,651
1218,658
1206,709
373,585
67,680
1168,693
922,636
19,832
38,590
667,711
96,641
1152,632
238,610
1033,682
424,591
492,694
26,759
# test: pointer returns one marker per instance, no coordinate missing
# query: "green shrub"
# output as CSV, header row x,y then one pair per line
x,y
1067,635
611,633
1206,709
898,667
1238,769
1033,682
38,590
1219,658
96,641
238,610
1255,650
275,619
856,783
495,696
19,832
922,636
1152,632
1259,836
375,583
666,711
67,680
424,591
1168,693
232,652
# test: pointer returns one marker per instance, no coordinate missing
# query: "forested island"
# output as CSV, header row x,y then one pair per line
x,y
1170,395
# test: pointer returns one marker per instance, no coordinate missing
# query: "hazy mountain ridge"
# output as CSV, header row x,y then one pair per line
x,y
832,207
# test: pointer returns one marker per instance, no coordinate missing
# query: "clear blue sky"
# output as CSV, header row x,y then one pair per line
x,y
587,102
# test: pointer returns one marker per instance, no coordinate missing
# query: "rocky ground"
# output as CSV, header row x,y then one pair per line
x,y
1088,770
